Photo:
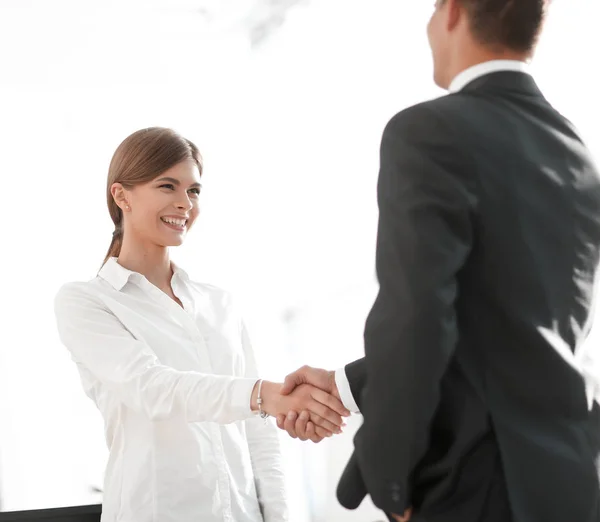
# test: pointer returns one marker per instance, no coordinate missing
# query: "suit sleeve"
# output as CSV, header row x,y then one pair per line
x,y
424,237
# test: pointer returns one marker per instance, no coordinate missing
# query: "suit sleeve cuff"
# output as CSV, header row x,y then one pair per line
x,y
343,386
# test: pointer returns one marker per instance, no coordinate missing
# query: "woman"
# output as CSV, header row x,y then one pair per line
x,y
168,362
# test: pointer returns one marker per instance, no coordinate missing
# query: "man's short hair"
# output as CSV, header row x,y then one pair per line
x,y
508,24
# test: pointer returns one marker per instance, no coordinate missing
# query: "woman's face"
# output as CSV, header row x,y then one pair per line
x,y
163,210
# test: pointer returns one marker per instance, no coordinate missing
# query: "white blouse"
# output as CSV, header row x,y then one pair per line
x,y
173,385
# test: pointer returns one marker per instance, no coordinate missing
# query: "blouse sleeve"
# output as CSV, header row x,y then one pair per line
x,y
98,341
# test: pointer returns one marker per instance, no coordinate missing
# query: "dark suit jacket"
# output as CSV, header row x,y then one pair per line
x,y
488,243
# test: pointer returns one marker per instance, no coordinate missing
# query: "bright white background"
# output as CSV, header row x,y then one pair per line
x,y
288,120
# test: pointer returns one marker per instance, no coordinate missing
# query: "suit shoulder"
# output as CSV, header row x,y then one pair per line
x,y
427,134
423,118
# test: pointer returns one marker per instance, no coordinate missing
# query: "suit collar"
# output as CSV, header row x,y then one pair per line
x,y
503,82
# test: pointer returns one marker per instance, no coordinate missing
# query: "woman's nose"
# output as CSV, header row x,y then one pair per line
x,y
185,203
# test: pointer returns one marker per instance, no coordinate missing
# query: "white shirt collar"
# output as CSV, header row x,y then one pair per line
x,y
118,276
481,69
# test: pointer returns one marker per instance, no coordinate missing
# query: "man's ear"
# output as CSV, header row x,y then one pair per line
x,y
454,12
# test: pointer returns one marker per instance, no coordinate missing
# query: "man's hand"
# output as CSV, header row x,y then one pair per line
x,y
403,518
324,411
316,376
300,426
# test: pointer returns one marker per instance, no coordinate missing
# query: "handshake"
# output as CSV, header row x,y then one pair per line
x,y
307,405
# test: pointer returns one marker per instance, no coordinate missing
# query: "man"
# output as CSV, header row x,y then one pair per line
x,y
472,389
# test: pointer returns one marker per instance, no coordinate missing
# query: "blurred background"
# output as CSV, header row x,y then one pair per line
x,y
287,101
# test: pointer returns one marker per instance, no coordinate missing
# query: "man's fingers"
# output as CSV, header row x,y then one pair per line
x,y
319,421
289,424
405,517
322,432
327,414
331,402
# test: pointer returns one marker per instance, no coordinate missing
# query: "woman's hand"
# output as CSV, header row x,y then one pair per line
x,y
325,411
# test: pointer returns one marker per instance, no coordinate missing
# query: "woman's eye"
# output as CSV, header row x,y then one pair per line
x,y
196,191
168,186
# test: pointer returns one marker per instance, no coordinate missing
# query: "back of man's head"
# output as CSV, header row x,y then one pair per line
x,y
512,25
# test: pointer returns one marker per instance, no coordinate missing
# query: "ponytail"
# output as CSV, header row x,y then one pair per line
x,y
116,215
115,245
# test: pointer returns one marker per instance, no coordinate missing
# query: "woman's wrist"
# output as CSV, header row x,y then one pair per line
x,y
271,395
270,392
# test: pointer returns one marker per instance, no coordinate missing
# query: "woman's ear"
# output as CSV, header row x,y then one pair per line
x,y
119,195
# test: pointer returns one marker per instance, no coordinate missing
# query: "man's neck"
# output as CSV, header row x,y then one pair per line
x,y
476,56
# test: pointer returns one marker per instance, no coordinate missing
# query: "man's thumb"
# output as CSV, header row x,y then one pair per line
x,y
290,382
